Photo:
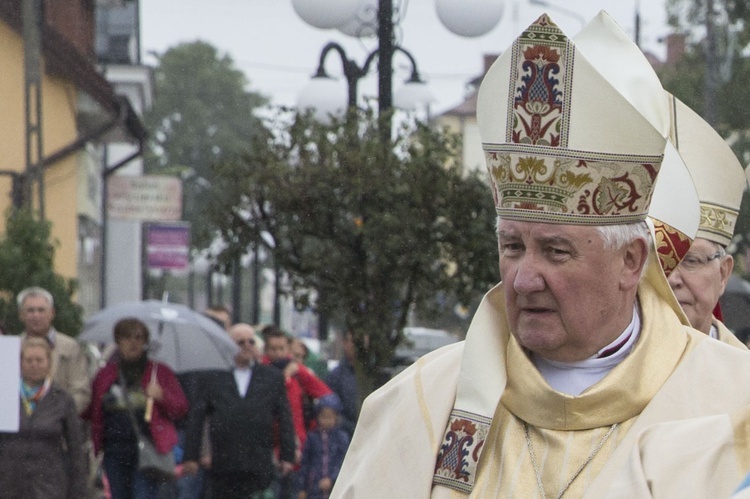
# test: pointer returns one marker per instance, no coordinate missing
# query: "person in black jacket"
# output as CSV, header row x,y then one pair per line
x,y
243,404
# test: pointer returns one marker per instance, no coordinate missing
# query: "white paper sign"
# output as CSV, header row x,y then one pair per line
x,y
10,380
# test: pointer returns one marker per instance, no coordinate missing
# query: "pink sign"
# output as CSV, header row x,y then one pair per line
x,y
168,246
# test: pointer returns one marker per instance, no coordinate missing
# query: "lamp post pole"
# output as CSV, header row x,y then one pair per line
x,y
385,56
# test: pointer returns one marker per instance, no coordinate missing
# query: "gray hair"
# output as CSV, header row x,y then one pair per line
x,y
616,236
34,291
721,249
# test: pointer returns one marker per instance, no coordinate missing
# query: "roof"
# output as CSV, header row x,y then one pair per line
x,y
64,60
467,108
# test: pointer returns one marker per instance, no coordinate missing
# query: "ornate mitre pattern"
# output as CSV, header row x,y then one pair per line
x,y
570,186
535,171
718,221
671,246
542,57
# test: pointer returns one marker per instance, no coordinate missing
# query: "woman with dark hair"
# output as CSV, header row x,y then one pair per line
x,y
155,398
45,459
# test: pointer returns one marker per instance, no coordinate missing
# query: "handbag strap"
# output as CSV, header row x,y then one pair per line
x,y
129,405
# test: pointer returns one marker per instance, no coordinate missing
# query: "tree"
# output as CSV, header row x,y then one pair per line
x,y
710,77
365,230
202,114
27,259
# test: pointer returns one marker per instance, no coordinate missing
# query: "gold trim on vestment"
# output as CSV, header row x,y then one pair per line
x,y
621,395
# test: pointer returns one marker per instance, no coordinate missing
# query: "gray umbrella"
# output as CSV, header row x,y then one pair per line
x,y
183,339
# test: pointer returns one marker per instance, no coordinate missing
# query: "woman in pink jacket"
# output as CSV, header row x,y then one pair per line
x,y
111,426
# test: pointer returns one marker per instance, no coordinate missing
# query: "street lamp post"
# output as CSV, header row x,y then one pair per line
x,y
415,90
353,72
466,21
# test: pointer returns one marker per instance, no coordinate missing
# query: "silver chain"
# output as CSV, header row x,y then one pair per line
x,y
575,475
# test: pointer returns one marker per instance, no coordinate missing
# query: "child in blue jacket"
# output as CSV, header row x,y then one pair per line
x,y
324,451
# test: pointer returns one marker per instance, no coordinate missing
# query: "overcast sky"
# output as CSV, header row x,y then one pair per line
x,y
279,52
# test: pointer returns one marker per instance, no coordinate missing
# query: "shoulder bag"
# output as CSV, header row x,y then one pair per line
x,y
155,466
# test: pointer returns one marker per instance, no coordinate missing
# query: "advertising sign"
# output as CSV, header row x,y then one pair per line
x,y
168,246
147,197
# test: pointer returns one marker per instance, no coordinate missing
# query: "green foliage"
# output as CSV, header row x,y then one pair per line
x,y
728,64
26,259
375,227
202,114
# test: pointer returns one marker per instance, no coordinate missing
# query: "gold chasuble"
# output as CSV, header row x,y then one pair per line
x,y
571,433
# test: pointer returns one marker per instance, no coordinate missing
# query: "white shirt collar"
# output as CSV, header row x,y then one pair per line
x,y
573,378
242,376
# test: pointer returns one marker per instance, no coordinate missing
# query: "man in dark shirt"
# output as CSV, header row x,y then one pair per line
x,y
244,405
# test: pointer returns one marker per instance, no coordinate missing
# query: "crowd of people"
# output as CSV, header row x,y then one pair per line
x,y
598,367
236,433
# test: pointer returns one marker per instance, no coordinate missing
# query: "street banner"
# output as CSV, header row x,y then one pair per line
x,y
168,246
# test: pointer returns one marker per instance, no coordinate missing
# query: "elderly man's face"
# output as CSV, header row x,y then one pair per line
x,y
36,314
699,280
244,337
566,295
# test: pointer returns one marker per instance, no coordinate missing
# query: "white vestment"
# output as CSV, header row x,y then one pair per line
x,y
401,428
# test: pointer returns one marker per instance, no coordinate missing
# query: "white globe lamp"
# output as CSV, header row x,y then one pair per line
x,y
412,95
325,96
469,18
364,23
326,14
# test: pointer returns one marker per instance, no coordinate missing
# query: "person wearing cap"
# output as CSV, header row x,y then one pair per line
x,y
582,345
700,279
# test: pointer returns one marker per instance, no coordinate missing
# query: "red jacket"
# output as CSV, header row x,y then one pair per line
x,y
304,382
173,406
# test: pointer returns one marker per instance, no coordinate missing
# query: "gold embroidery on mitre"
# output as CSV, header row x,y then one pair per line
x,y
718,220
671,245
570,186
539,96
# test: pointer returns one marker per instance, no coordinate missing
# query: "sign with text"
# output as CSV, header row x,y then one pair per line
x,y
148,197
168,246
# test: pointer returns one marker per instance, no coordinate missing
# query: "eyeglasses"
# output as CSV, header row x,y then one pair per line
x,y
246,341
694,262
